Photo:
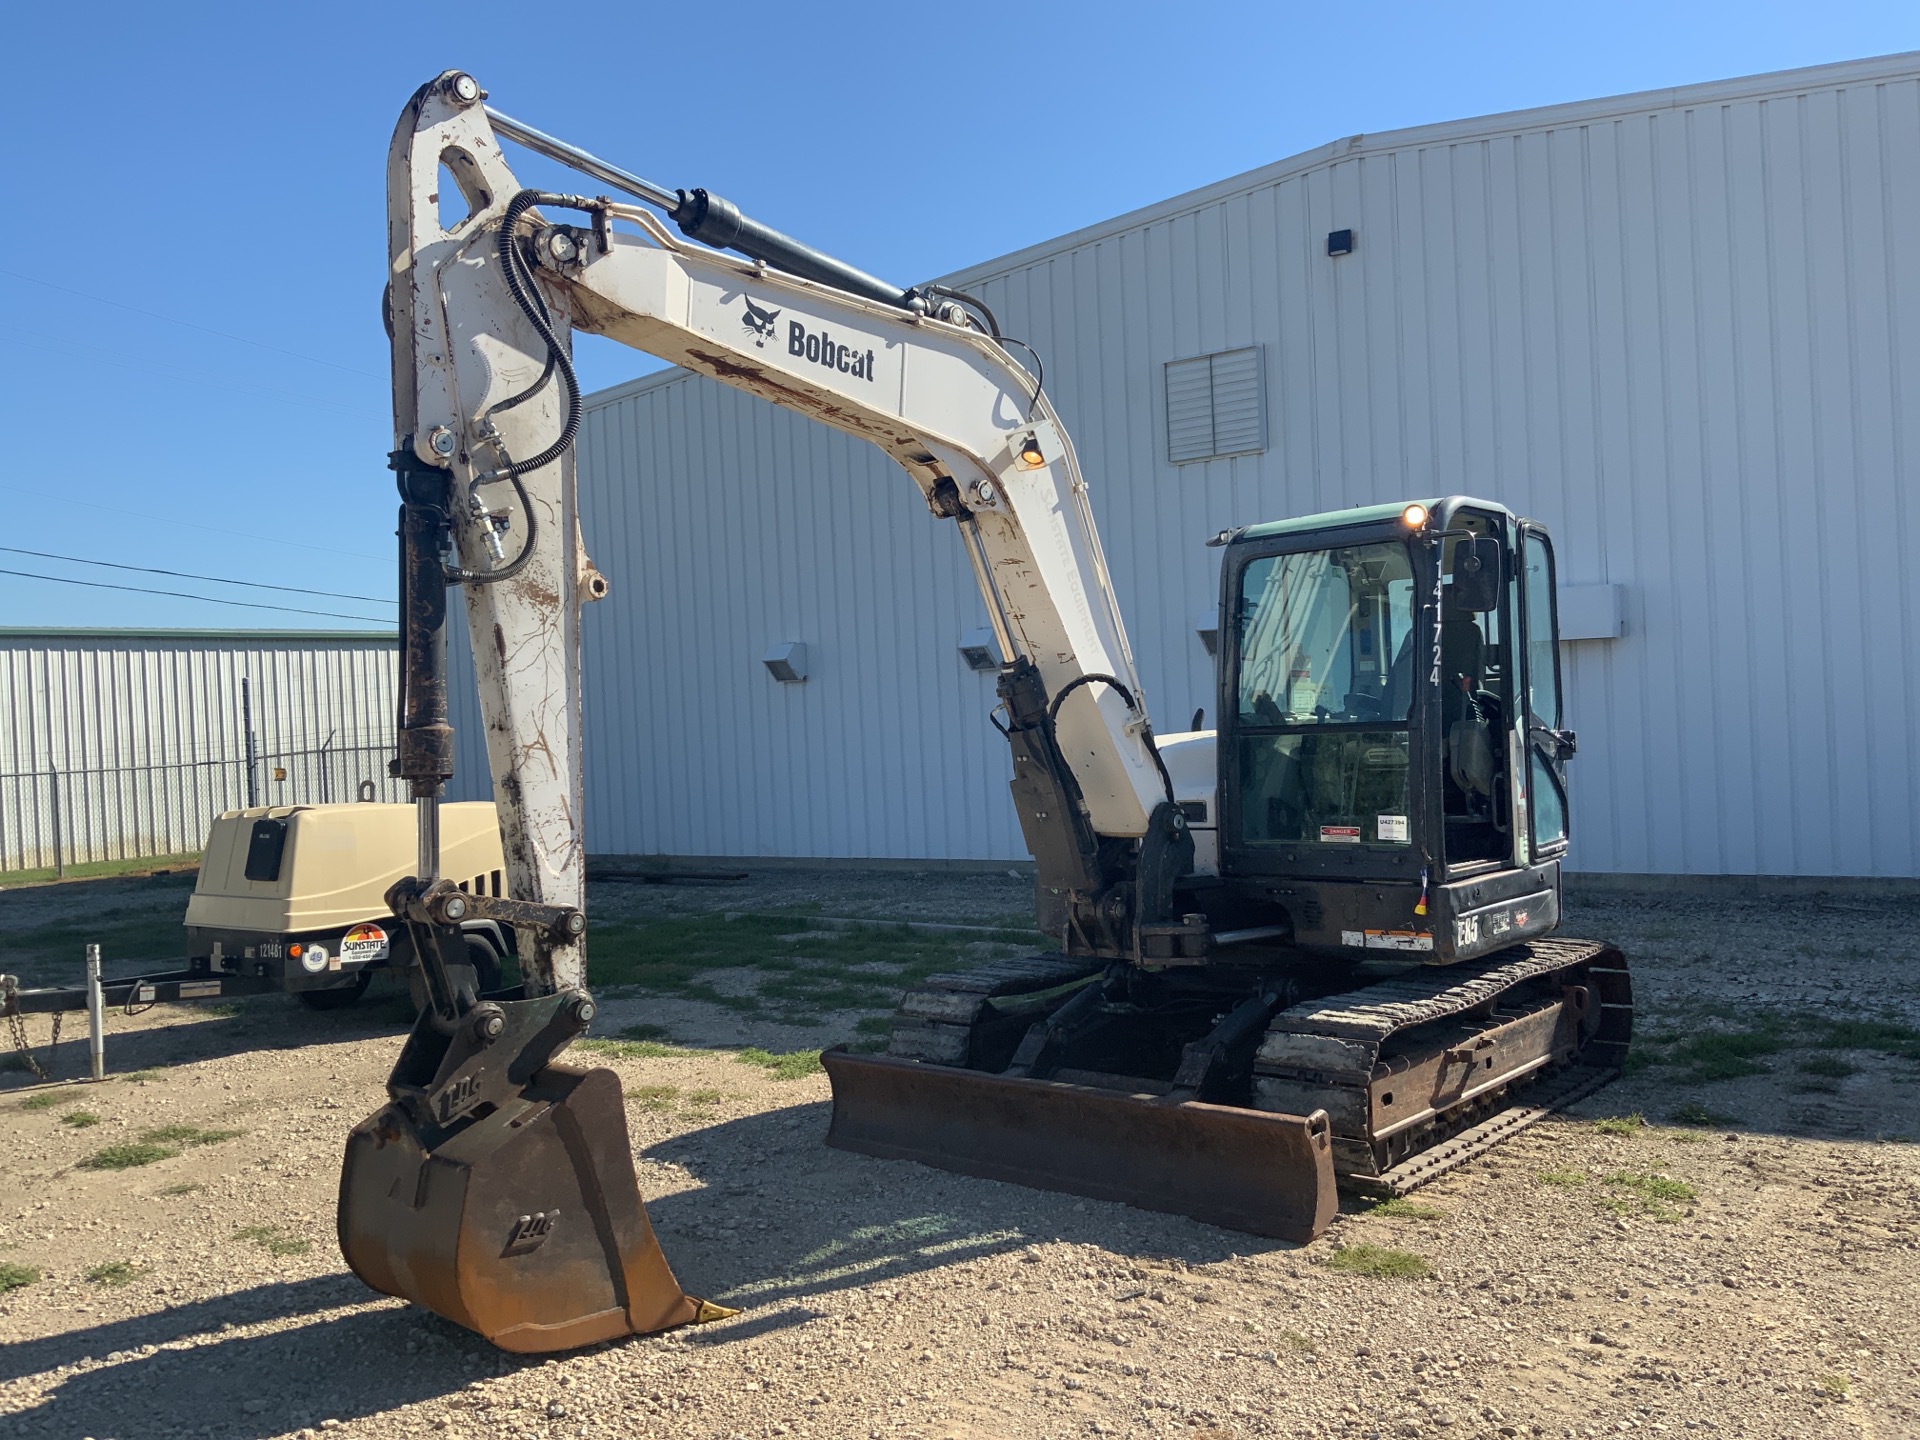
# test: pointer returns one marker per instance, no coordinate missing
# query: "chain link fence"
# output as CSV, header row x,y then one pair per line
x,y
53,819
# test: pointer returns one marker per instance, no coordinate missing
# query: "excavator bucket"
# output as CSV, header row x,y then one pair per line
x,y
1267,1174
525,1225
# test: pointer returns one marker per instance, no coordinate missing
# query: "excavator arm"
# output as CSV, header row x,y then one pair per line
x,y
486,405
497,1186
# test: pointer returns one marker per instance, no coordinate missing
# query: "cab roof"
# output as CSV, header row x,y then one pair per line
x,y
1361,515
1330,520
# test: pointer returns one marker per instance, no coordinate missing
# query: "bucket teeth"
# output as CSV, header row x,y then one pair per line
x,y
525,1224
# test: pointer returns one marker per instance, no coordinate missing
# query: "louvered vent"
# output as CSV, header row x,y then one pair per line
x,y
1216,405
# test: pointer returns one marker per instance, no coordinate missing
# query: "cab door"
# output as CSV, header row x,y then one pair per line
x,y
1548,744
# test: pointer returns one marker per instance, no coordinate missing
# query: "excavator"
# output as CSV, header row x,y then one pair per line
x,y
1313,947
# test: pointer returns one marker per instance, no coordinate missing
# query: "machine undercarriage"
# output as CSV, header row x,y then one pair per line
x,y
1383,1074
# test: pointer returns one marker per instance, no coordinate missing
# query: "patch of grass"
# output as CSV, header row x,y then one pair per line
x,y
1655,1194
800,966
704,1097
1399,1207
16,1277
140,1077
631,1049
80,1119
1831,1067
1885,1036
1621,1124
1378,1262
794,1065
188,1135
127,1155
136,932
1698,1117
105,869
874,1025
114,1272
185,1187
1565,1179
45,1100
1835,1386
1294,1340
654,1097
273,1240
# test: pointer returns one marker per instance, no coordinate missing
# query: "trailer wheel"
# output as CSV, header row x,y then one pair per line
x,y
340,996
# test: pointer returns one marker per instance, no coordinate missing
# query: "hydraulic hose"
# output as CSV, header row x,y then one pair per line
x,y
1146,733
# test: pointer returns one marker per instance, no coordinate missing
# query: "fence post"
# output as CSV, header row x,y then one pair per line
x,y
96,1014
59,849
246,724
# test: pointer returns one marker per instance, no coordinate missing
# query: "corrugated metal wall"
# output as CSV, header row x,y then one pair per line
x,y
1681,329
117,745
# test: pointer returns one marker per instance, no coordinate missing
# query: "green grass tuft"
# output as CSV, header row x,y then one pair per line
x,y
188,1135
15,1277
654,1097
185,1187
1399,1207
45,1100
1380,1262
126,1155
140,1077
114,1272
1565,1179
1885,1036
632,1049
794,1065
1835,1386
273,1240
1621,1124
80,1119
704,1097
1654,1194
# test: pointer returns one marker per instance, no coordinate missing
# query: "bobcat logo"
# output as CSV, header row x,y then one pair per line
x,y
759,323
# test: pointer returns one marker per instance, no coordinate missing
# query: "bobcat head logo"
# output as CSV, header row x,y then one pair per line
x,y
759,323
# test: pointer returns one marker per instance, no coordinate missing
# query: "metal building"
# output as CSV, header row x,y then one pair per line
x,y
117,744
1681,328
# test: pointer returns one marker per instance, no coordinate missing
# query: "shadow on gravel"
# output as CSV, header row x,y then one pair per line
x,y
320,1367
780,1217
274,1022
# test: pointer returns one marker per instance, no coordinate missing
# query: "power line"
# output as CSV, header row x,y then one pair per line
x,y
203,329
187,524
187,575
204,599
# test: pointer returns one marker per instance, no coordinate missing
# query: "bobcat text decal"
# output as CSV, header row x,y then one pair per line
x,y
823,349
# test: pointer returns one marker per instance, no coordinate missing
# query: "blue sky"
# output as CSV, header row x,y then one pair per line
x,y
194,368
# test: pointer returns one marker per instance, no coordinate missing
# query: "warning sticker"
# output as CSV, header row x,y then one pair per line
x,y
363,943
1340,834
1387,939
1391,827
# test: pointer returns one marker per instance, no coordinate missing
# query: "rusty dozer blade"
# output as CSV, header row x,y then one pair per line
x,y
498,1189
1264,1173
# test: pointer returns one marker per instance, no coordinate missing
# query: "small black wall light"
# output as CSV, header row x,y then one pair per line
x,y
1339,242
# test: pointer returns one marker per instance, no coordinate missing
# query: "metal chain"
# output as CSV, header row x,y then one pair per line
x,y
18,1025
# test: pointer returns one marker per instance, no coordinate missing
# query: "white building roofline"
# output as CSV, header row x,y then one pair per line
x,y
1902,66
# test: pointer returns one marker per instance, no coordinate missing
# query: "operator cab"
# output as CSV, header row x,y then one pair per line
x,y
1392,762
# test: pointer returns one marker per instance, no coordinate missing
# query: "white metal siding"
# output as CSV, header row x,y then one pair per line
x,y
142,735
1683,330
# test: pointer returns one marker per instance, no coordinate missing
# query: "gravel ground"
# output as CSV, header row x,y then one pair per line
x,y
1746,1274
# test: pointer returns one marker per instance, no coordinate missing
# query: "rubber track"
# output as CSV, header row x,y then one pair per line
x,y
1374,1012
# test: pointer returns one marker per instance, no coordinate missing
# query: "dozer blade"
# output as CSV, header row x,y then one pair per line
x,y
525,1224
1264,1173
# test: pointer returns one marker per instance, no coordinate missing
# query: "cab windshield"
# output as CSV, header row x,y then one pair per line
x,y
1325,636
1325,688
